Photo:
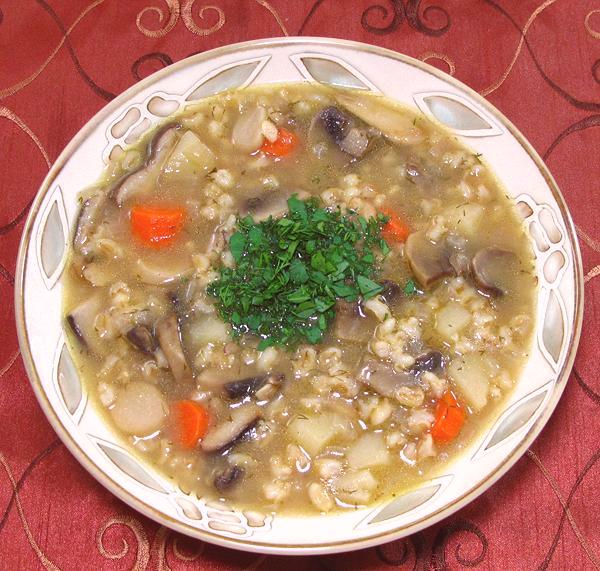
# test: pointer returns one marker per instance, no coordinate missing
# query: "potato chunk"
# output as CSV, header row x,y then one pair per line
x,y
313,433
190,159
472,379
368,451
451,319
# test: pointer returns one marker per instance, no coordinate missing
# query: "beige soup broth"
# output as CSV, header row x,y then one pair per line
x,y
298,299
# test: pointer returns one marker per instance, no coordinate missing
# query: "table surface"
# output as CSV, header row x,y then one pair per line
x,y
538,62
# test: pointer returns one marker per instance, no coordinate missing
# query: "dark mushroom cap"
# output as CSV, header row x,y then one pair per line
x,y
494,269
428,260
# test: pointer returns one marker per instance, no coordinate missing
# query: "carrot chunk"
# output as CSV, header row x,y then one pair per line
x,y
190,421
156,227
394,230
449,419
284,145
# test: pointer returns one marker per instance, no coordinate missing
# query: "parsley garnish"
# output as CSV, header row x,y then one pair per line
x,y
410,287
290,271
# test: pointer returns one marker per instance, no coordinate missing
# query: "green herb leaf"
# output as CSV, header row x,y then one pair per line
x,y
298,273
290,271
368,287
410,287
237,243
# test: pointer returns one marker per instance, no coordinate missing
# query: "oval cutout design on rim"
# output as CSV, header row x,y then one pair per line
x,y
331,71
67,379
311,534
515,418
189,508
122,125
461,116
52,239
404,504
553,266
552,260
238,76
162,106
127,464
553,331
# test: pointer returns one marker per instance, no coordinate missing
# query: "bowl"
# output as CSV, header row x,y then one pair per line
x,y
44,247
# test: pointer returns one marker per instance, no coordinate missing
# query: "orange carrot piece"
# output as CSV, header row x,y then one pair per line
x,y
191,421
394,230
285,143
449,419
156,227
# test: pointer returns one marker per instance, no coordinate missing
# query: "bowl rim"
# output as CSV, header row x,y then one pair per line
x,y
264,546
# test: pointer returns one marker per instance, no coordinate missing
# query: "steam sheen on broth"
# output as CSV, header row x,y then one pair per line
x,y
298,299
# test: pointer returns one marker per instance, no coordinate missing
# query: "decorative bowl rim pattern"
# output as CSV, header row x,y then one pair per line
x,y
266,547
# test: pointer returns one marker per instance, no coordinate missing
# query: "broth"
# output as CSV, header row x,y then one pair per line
x,y
384,389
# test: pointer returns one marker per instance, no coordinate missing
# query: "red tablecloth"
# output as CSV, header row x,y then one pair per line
x,y
538,62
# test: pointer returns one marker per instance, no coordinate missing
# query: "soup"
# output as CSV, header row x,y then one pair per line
x,y
298,299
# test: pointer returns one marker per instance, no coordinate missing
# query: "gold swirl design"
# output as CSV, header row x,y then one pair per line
x,y
159,548
174,11
8,114
7,91
507,71
588,26
198,550
188,18
593,273
36,548
442,57
9,363
143,547
556,489
591,242
275,14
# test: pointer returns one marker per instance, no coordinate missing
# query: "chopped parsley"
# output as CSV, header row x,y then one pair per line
x,y
410,287
290,271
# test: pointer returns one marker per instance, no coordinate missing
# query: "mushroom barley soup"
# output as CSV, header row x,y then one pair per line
x,y
299,299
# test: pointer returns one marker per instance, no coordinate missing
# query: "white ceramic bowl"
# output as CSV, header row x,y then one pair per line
x,y
63,397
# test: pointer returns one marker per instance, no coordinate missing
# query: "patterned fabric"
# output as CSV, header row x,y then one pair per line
x,y
538,62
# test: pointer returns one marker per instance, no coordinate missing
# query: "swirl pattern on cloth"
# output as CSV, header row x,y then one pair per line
x,y
62,60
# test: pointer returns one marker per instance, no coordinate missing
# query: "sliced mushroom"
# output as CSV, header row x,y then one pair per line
x,y
351,324
392,291
460,262
143,179
141,338
81,321
344,131
246,134
215,379
383,379
428,261
431,361
227,433
270,388
494,270
274,204
87,219
227,478
395,125
140,409
247,387
169,339
163,273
